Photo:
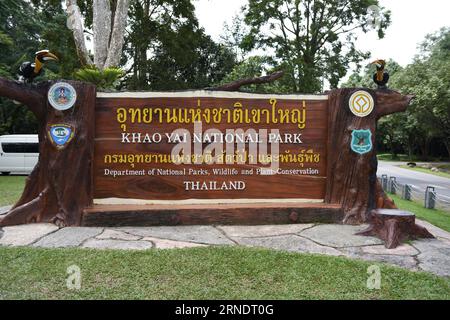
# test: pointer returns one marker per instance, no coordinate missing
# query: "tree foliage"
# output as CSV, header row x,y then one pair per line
x,y
106,78
169,51
312,40
428,77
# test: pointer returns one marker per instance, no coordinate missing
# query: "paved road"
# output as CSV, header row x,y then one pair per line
x,y
417,179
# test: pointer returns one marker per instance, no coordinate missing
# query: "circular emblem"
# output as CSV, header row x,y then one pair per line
x,y
62,96
361,103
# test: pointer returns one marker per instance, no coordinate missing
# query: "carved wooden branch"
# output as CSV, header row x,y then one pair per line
x,y
236,85
31,96
390,101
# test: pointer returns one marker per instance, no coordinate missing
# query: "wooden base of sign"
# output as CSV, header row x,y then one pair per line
x,y
394,227
200,214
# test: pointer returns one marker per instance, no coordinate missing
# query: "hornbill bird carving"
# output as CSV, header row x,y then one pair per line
x,y
30,70
381,77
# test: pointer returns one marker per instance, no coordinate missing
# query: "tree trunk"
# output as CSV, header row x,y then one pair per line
x,y
392,146
410,150
109,32
117,34
75,23
447,145
102,31
424,148
48,194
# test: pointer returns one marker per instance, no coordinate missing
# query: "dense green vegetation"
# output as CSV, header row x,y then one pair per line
x,y
204,273
312,41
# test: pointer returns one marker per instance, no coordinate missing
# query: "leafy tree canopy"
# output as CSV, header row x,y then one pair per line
x,y
428,77
311,40
169,51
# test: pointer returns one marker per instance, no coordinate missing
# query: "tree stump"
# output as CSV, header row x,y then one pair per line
x,y
394,227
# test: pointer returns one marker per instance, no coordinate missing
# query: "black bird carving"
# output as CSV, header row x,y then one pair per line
x,y
30,70
381,77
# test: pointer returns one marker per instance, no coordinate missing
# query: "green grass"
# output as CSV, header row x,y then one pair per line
x,y
425,170
406,158
398,157
11,188
437,217
204,273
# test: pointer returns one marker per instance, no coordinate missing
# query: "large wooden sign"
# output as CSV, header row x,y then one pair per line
x,y
200,157
231,146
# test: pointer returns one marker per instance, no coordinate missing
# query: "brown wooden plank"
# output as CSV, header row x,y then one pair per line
x,y
155,215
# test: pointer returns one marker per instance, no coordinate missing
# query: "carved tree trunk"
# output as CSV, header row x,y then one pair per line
x,y
48,194
351,177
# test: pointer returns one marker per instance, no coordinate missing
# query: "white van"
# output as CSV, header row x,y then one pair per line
x,y
19,153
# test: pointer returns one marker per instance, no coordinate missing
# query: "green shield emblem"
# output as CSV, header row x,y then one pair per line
x,y
361,141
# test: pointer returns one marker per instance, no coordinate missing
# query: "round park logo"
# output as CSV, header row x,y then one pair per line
x,y
361,103
62,96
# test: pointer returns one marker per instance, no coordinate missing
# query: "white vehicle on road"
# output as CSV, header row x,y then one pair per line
x,y
19,153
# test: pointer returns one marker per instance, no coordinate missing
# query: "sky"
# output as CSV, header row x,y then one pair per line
x,y
412,20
